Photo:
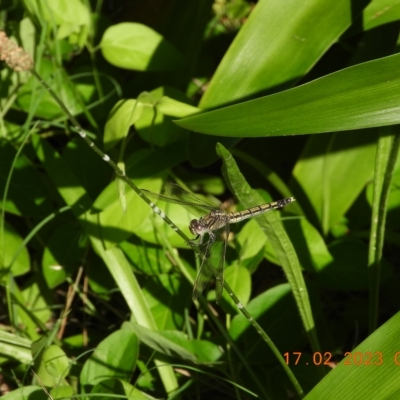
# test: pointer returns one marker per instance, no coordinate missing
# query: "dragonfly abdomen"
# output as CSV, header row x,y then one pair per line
x,y
251,212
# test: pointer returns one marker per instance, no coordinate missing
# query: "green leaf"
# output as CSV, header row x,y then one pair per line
x,y
378,378
52,366
27,393
156,127
167,296
340,166
37,298
362,96
239,279
123,115
310,246
174,108
114,357
278,44
9,248
176,344
138,47
164,345
147,259
116,226
251,241
114,387
379,12
60,392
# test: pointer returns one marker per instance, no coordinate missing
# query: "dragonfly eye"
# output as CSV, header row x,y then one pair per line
x,y
195,227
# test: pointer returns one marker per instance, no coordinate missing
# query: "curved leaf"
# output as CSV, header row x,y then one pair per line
x,y
278,44
362,96
138,47
373,374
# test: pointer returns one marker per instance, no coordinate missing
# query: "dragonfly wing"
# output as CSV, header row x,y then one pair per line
x,y
213,264
205,272
176,195
174,191
223,240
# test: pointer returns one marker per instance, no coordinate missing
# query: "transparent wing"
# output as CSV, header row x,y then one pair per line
x,y
212,264
219,286
176,195
205,273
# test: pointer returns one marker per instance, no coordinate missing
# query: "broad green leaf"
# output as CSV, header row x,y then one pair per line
x,y
52,366
371,371
174,108
362,96
152,227
118,387
156,127
147,259
156,341
256,61
37,298
239,280
379,12
12,252
60,392
176,344
114,357
123,115
251,242
115,225
309,243
26,393
138,47
339,165
256,64
167,296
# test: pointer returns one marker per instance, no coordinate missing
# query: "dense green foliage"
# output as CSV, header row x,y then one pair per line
x,y
292,98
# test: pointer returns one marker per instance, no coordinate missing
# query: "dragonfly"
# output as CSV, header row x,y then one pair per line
x,y
216,225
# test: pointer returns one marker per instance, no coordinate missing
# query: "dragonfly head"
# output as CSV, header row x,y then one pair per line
x,y
196,227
